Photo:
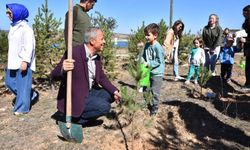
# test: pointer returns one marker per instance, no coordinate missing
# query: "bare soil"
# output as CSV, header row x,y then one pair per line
x,y
185,121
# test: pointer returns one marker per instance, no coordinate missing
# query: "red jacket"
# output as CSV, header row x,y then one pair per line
x,y
80,81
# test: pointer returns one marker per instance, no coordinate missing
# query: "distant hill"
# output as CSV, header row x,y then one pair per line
x,y
5,30
121,36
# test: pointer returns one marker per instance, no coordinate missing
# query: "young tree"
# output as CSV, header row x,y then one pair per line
x,y
49,40
205,75
163,31
137,37
108,54
3,47
3,54
186,44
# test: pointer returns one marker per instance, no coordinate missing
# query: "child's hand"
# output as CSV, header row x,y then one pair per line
x,y
146,64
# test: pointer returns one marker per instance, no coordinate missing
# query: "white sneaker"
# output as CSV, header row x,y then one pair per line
x,y
179,78
18,113
141,89
187,82
195,82
213,74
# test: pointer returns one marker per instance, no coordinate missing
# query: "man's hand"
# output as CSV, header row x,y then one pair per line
x,y
117,97
68,64
24,66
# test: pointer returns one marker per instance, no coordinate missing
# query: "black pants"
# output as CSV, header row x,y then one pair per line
x,y
247,71
226,71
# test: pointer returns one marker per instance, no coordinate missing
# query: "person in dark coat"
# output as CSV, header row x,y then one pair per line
x,y
92,92
212,38
246,41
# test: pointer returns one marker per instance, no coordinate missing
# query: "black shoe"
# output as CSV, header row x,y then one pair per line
x,y
91,123
36,99
153,111
58,116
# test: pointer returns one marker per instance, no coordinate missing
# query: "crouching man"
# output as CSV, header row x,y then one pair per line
x,y
92,92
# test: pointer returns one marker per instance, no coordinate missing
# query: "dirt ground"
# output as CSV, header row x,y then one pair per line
x,y
183,122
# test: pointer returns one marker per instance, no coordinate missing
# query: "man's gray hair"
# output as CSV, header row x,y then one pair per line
x,y
90,34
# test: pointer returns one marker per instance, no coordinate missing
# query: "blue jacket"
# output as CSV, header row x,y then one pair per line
x,y
19,12
153,55
227,55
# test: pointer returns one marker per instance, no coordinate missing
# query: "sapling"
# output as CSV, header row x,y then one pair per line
x,y
205,75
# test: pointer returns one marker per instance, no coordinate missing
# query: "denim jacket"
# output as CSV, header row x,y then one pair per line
x,y
227,55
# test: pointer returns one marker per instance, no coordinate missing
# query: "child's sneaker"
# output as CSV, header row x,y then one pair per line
x,y
153,111
195,82
187,82
178,78
141,89
229,81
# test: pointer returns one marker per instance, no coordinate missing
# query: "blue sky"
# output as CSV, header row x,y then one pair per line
x,y
130,14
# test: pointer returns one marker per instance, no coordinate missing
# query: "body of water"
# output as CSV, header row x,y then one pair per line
x,y
121,44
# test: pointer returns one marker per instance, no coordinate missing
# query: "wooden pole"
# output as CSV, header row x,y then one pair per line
x,y
69,73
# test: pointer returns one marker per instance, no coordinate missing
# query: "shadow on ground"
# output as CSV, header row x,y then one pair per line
x,y
230,99
213,133
236,104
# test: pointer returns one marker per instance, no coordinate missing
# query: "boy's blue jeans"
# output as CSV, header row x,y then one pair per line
x,y
155,87
20,83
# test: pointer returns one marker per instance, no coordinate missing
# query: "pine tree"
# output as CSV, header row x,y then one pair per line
x,y
137,37
3,54
49,40
162,32
205,75
186,44
3,47
108,54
